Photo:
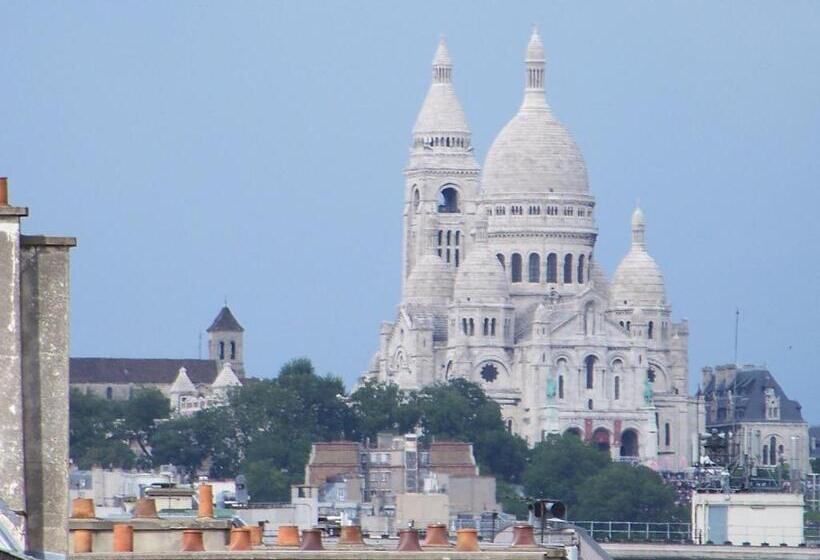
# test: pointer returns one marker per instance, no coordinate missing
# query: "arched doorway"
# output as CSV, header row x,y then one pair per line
x,y
600,439
629,443
573,432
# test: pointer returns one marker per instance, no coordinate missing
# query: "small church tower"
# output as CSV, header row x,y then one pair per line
x,y
225,342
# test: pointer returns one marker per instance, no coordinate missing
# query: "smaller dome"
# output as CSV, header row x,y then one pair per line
x,y
638,281
481,278
430,281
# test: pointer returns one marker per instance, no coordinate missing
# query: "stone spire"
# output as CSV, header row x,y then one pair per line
x,y
441,122
534,77
442,65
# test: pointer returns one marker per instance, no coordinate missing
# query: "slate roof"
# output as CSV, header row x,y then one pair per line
x,y
225,321
749,388
139,370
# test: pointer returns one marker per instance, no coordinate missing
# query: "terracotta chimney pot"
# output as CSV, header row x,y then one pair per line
x,y
311,540
467,540
145,508
192,541
206,501
256,534
82,508
523,536
287,536
437,536
409,540
123,537
351,536
4,191
240,539
82,540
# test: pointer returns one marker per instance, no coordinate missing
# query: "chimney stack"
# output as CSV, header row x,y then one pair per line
x,y
4,191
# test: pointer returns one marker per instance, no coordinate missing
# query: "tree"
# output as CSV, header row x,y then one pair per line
x,y
139,415
179,442
267,482
622,492
94,433
460,410
383,407
559,466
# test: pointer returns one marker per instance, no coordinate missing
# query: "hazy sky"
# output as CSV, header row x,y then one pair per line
x,y
255,151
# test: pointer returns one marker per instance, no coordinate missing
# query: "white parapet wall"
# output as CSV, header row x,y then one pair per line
x,y
754,518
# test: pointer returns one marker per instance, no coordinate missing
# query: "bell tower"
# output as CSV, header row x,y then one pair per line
x,y
225,342
441,179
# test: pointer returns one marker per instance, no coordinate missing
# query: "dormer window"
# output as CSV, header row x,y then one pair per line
x,y
772,404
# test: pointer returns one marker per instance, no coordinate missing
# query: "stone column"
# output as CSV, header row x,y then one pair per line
x,y
45,341
12,482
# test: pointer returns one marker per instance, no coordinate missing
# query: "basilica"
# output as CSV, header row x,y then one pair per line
x,y
501,287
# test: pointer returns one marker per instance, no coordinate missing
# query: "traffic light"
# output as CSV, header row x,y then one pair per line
x,y
548,509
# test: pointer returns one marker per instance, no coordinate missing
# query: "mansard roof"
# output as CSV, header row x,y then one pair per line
x,y
139,370
225,322
748,386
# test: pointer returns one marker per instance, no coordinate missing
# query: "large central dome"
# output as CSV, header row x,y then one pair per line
x,y
534,153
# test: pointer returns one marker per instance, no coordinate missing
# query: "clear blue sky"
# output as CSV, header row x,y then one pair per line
x,y
255,150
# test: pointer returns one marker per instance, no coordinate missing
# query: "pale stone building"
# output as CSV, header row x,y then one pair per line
x,y
500,286
190,384
763,427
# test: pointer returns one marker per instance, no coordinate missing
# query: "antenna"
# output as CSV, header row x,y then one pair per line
x,y
737,328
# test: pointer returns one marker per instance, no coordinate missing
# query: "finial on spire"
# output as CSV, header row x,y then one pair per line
x,y
442,65
638,226
534,61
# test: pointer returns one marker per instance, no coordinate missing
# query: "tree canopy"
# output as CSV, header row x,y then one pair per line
x,y
267,429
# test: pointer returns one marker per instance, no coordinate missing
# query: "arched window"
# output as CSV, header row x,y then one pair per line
x,y
509,426
535,268
772,450
765,454
109,393
629,443
486,326
416,199
617,387
650,330
667,434
589,364
580,269
560,386
516,267
448,200
472,327
552,268
567,269
500,258
221,350
492,326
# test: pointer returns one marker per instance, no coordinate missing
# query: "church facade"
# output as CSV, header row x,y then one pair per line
x,y
501,287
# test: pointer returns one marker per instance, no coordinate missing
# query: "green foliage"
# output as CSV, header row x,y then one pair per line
x,y
594,488
559,467
380,407
267,481
623,492
511,499
460,410
101,431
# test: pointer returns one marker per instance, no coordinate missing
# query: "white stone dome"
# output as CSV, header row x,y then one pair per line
x,y
534,153
430,281
481,278
638,281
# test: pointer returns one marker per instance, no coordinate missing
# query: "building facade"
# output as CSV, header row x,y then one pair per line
x,y
500,286
190,384
762,426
